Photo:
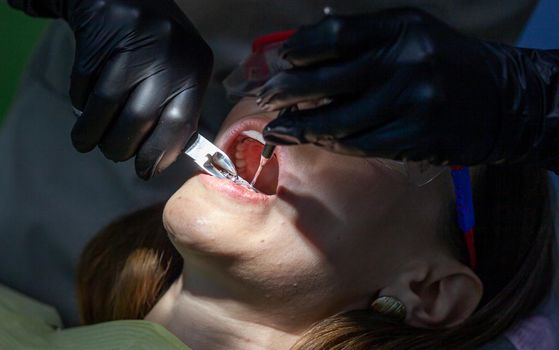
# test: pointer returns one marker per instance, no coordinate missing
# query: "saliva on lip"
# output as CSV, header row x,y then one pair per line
x,y
215,163
237,180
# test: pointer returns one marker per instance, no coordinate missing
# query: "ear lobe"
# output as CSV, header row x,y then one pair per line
x,y
438,298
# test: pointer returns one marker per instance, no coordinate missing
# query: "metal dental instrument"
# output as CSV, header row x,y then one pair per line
x,y
268,150
213,160
209,157
267,153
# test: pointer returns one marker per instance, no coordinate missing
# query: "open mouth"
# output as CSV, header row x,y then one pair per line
x,y
244,144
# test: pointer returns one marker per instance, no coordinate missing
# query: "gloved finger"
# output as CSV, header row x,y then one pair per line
x,y
177,124
327,123
85,72
339,119
338,37
405,134
389,141
304,84
137,119
107,97
81,86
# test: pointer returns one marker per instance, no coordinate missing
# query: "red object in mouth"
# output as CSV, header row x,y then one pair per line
x,y
245,153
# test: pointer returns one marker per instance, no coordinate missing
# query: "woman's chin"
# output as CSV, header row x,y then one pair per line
x,y
210,219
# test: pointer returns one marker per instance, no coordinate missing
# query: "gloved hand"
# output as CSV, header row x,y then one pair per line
x,y
406,86
139,76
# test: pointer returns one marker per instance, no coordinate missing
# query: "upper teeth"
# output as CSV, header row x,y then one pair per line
x,y
255,135
240,161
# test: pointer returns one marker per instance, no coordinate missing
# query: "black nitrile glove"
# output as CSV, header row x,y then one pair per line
x,y
406,86
139,76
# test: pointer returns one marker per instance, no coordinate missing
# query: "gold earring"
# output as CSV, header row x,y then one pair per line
x,y
390,307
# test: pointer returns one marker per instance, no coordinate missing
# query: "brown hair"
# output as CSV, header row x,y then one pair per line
x,y
514,243
126,268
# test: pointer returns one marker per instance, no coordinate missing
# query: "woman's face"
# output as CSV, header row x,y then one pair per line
x,y
332,230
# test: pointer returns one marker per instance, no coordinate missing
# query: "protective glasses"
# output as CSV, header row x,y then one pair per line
x,y
265,61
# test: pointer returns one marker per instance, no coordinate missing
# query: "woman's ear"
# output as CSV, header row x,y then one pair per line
x,y
437,296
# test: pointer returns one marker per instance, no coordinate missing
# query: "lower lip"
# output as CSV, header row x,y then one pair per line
x,y
234,191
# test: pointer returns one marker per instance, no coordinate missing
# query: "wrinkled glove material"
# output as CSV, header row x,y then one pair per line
x,y
404,85
140,73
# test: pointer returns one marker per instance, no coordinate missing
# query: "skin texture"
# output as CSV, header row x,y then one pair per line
x,y
339,232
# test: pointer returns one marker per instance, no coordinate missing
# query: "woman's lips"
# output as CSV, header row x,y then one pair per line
x,y
237,192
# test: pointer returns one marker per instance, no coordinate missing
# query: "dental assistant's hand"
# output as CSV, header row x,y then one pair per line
x,y
406,86
139,76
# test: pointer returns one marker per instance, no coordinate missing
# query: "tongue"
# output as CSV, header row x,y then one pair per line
x,y
268,180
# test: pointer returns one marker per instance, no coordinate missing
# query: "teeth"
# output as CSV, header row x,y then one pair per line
x,y
241,163
240,146
255,135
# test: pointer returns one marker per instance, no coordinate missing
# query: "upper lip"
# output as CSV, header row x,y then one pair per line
x,y
227,139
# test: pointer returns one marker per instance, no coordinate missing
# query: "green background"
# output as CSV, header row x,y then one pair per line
x,y
18,34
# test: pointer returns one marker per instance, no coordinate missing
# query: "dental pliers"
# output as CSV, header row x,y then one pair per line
x,y
213,160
